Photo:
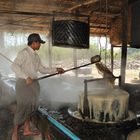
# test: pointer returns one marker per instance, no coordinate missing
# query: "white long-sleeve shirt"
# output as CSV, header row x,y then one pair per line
x,y
28,64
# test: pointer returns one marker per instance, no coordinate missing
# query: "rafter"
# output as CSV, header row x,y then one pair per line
x,y
82,4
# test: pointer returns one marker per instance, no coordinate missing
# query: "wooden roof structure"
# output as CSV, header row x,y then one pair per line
x,y
106,17
36,15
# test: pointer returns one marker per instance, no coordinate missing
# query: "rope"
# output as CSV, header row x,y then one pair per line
x,y
100,26
106,30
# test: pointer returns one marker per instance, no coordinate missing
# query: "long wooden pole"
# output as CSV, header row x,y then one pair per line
x,y
94,59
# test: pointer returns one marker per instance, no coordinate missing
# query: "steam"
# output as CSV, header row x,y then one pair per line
x,y
61,90
7,83
55,92
5,66
7,91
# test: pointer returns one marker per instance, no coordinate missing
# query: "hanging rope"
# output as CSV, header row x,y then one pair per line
x,y
100,46
106,30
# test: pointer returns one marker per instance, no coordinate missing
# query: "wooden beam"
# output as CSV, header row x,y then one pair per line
x,y
82,4
109,15
131,1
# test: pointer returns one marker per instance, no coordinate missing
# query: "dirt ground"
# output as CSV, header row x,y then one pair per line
x,y
6,126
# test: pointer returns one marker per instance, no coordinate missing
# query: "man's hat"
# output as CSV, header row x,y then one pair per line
x,y
34,37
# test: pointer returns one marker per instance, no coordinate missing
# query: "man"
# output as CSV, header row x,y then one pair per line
x,y
26,65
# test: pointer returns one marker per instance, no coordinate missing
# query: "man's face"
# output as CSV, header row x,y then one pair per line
x,y
36,45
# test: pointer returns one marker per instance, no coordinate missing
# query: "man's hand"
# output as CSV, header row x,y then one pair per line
x,y
29,81
60,70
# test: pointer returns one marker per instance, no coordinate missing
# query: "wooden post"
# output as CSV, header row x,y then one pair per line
x,y
75,61
50,46
112,60
124,40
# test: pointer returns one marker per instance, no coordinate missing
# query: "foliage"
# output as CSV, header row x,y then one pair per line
x,y
133,54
